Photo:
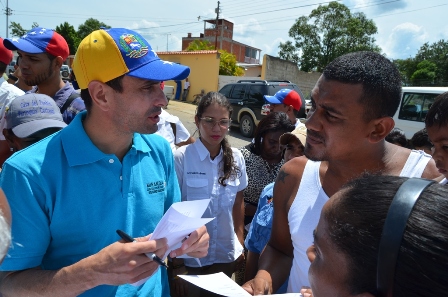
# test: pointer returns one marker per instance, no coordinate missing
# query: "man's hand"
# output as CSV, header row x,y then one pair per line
x,y
196,245
121,263
306,292
258,286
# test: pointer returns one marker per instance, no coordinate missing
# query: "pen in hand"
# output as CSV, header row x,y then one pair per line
x,y
154,257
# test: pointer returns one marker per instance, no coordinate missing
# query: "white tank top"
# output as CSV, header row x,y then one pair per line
x,y
304,213
303,217
415,164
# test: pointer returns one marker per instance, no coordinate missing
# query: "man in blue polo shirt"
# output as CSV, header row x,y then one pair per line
x,y
103,172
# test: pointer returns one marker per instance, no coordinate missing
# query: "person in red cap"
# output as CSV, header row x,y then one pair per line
x,y
288,101
42,52
7,93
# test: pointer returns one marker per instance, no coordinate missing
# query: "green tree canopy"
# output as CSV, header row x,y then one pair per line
x,y
17,29
428,68
89,26
71,36
328,32
198,45
425,73
227,64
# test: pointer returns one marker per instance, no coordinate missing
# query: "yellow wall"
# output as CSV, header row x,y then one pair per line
x,y
204,66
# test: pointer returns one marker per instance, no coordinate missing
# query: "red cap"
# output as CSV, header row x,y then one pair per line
x,y
5,54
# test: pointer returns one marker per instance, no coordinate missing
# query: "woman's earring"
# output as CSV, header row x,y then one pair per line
x,y
11,149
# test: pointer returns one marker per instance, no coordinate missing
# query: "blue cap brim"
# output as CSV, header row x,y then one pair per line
x,y
23,45
272,99
160,70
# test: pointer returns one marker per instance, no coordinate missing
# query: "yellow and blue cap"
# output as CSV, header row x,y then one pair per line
x,y
106,54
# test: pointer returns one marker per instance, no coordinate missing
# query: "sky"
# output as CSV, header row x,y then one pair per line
x,y
403,25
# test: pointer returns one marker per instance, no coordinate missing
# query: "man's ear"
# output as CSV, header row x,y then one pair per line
x,y
100,93
381,128
58,62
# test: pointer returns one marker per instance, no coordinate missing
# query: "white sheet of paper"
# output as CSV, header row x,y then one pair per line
x,y
178,222
221,284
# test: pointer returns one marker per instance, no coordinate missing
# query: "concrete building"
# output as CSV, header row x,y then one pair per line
x,y
220,34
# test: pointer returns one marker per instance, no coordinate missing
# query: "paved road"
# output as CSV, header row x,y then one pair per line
x,y
186,112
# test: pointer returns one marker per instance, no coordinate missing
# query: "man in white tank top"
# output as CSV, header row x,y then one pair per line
x,y
352,107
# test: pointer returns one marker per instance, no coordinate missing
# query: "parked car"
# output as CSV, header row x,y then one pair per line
x,y
65,72
249,105
414,105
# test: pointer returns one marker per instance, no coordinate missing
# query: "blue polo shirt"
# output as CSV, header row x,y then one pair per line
x,y
67,199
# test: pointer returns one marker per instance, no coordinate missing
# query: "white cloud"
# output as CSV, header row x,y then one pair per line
x,y
145,28
251,27
272,48
404,41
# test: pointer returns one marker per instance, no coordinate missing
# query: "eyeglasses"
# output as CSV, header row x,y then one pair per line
x,y
211,122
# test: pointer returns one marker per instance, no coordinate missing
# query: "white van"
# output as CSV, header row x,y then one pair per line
x,y
414,105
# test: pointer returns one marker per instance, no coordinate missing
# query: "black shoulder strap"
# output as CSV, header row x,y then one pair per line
x,y
69,101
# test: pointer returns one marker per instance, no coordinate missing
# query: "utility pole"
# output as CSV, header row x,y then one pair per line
x,y
216,27
167,40
8,12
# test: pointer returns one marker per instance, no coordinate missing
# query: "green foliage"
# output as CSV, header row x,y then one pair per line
x,y
71,36
199,45
328,32
428,68
89,26
425,73
17,29
227,65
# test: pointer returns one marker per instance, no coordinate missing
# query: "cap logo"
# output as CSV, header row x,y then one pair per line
x,y
133,46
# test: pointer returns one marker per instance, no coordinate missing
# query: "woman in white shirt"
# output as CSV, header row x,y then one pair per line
x,y
211,169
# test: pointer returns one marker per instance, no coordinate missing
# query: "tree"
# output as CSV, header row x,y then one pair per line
x,y
89,26
198,45
70,35
436,53
17,29
227,63
425,73
328,32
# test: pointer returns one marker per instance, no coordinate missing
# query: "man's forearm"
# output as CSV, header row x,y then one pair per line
x,y
68,281
274,266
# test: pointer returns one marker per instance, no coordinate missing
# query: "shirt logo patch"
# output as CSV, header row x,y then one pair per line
x,y
133,46
156,187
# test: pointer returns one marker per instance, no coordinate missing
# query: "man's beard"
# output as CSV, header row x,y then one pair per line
x,y
40,78
320,156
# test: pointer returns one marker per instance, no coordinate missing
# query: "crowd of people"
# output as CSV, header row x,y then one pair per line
x,y
359,210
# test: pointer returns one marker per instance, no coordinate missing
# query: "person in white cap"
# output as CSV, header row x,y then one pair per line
x,y
105,171
29,119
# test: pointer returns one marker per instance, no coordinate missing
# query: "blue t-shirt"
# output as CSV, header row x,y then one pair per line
x,y
261,226
68,198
